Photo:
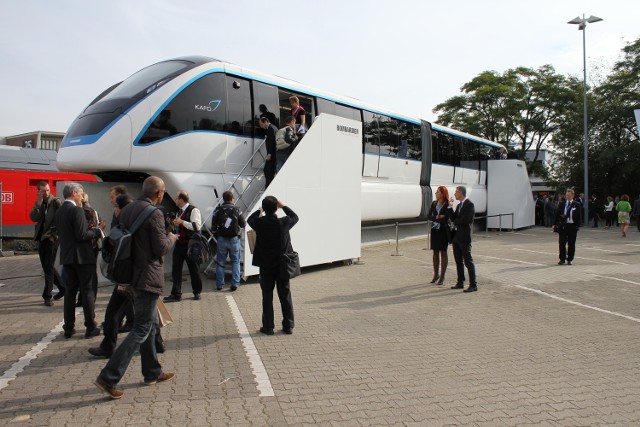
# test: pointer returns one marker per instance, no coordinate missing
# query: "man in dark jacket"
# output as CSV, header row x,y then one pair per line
x,y
150,244
270,144
567,222
273,240
78,259
43,213
462,218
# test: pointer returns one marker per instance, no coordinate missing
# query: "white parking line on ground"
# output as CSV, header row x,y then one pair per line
x,y
11,373
603,250
615,278
539,292
578,257
510,260
259,371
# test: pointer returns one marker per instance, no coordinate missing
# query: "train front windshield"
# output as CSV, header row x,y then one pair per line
x,y
119,98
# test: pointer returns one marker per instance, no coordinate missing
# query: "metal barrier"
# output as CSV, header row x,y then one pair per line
x,y
428,223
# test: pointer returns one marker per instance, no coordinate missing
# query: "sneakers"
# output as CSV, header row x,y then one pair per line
x,y
165,376
113,392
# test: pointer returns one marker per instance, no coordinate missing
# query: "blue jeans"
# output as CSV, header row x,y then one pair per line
x,y
228,246
142,336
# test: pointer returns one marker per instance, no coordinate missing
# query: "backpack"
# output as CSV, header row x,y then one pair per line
x,y
198,250
118,264
225,222
281,143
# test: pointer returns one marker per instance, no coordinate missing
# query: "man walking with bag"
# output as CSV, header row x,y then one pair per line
x,y
273,240
150,244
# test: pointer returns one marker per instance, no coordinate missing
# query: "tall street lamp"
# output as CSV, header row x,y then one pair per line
x,y
582,25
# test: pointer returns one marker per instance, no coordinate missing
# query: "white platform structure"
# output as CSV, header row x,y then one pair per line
x,y
509,191
322,182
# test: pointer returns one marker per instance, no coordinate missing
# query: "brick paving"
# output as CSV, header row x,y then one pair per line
x,y
374,344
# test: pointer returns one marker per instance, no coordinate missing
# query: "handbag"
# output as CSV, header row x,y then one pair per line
x,y
289,265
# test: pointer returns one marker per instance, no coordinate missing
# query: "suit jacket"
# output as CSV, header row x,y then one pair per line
x,y
75,235
150,244
45,222
463,220
575,213
272,237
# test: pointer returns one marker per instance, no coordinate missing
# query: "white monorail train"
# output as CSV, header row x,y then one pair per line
x,y
193,121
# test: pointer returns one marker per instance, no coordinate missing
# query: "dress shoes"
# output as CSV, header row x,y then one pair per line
x,y
58,296
266,331
172,298
90,333
68,334
471,289
113,392
99,352
196,297
48,303
458,286
165,376
287,331
234,288
435,279
569,263
560,262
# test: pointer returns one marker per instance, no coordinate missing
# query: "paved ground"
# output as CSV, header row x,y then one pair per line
x,y
374,344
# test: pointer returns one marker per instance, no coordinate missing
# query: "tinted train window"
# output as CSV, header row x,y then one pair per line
x,y
148,79
200,106
389,138
325,106
239,120
410,141
265,104
443,148
348,112
371,132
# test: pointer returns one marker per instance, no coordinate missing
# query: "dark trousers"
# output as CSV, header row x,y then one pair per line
x,y
179,257
116,308
269,171
462,255
268,281
47,251
79,278
567,242
142,337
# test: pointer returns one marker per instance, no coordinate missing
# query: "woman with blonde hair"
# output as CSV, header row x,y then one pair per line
x,y
439,215
624,208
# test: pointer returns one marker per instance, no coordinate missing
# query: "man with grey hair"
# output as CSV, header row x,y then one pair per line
x,y
78,260
463,220
150,243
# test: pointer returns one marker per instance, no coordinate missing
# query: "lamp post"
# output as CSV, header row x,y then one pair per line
x,y
582,25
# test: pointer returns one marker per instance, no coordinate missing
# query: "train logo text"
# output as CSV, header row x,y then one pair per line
x,y
7,197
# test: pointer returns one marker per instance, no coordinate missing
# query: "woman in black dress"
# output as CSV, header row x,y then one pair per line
x,y
439,214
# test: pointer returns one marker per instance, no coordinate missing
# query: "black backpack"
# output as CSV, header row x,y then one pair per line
x,y
198,250
225,222
118,266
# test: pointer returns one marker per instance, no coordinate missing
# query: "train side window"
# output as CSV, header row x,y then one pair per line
x,y
325,106
348,112
239,118
446,149
371,132
410,141
200,106
265,104
389,137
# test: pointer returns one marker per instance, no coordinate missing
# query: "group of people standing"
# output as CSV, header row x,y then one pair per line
x,y
452,226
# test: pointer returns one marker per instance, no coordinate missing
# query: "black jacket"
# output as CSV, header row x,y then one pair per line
x,y
272,237
271,142
75,235
575,214
463,220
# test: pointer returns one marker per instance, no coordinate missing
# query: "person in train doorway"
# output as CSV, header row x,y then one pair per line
x,y
462,218
270,144
43,214
566,224
273,240
227,221
286,141
78,259
187,221
298,113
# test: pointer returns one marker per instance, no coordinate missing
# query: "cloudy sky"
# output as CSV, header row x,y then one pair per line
x,y
402,55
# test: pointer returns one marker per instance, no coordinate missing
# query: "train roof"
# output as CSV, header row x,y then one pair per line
x,y
19,158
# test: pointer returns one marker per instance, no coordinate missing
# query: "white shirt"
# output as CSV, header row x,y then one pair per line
x,y
196,218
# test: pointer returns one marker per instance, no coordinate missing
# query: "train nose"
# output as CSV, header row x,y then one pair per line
x,y
108,150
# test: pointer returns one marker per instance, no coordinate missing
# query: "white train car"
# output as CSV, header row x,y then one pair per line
x,y
193,121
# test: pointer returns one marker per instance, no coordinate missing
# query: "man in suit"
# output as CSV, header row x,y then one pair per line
x,y
78,260
463,220
270,144
43,214
272,240
150,243
567,222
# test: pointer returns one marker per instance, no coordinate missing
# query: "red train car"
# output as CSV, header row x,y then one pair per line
x,y
20,171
